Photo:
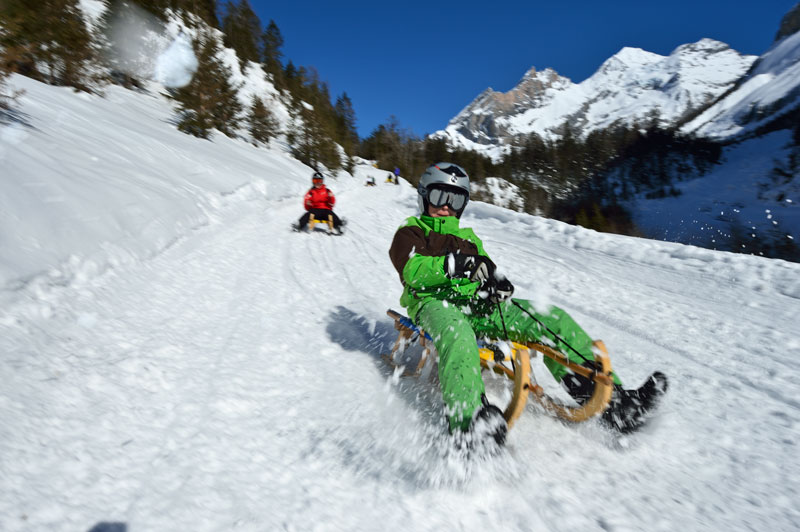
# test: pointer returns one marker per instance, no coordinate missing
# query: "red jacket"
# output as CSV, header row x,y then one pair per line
x,y
319,198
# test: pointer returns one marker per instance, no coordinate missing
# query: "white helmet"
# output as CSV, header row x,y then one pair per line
x,y
447,177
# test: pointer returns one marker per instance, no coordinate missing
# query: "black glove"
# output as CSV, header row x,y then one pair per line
x,y
497,290
473,267
503,290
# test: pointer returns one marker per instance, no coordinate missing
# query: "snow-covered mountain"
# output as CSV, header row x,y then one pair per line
x,y
748,199
173,357
483,124
752,196
632,86
769,91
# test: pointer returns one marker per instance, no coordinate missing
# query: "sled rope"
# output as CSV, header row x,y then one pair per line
x,y
559,338
505,332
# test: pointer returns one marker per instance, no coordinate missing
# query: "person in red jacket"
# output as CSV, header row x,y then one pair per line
x,y
319,201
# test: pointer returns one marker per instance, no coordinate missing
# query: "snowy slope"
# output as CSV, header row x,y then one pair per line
x,y
76,158
227,374
740,202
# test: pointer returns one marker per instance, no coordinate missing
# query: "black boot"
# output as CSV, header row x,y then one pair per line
x,y
630,409
578,387
489,423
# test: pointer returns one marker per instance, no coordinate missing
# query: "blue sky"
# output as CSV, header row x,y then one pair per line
x,y
425,61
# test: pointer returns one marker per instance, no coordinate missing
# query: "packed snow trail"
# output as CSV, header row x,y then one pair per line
x,y
234,382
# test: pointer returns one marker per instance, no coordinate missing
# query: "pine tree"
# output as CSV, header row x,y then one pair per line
x,y
346,132
790,23
5,72
796,133
210,100
242,30
309,142
205,9
48,41
5,99
262,124
154,7
272,42
294,78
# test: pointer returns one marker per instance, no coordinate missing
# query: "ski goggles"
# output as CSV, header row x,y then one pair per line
x,y
316,180
452,197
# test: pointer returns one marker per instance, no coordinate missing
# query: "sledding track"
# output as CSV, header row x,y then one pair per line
x,y
233,381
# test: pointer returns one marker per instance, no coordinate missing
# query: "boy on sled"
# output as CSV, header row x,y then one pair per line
x,y
451,290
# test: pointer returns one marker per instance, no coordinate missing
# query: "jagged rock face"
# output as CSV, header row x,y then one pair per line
x,y
631,86
477,122
790,24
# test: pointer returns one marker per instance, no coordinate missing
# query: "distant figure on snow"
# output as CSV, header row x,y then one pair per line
x,y
319,201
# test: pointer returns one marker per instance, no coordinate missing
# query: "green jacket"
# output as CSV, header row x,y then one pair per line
x,y
419,251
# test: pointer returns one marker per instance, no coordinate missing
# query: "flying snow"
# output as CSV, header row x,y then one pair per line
x,y
177,64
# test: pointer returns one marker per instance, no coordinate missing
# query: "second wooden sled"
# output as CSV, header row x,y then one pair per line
x,y
516,367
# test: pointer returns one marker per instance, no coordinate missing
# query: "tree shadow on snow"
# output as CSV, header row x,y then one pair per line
x,y
10,116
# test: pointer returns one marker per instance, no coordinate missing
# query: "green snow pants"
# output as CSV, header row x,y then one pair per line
x,y
454,334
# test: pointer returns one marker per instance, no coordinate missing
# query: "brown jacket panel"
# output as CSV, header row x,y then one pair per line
x,y
412,240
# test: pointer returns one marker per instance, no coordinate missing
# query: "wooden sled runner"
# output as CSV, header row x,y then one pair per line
x,y
313,221
516,367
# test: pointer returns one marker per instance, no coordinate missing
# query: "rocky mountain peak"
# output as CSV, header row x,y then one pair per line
x,y
477,121
531,91
790,24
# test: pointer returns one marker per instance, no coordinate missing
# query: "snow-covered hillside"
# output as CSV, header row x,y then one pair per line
x,y
76,157
771,89
174,358
740,204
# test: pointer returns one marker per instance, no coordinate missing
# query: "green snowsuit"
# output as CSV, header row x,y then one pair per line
x,y
452,313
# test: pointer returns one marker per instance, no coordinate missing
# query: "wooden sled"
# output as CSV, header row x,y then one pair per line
x,y
313,221
516,367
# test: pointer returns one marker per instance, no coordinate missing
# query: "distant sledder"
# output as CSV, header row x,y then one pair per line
x,y
454,297
319,202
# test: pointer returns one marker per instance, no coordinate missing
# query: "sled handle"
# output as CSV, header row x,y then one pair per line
x,y
575,368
